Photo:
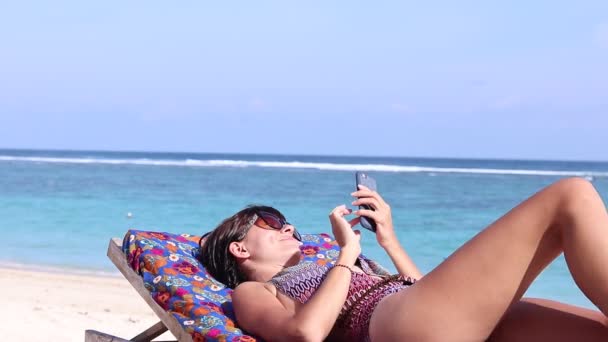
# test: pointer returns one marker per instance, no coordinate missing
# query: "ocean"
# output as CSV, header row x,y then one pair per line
x,y
59,209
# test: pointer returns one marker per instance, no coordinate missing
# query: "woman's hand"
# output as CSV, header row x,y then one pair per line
x,y
385,233
348,239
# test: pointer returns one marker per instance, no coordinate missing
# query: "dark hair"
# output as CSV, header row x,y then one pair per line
x,y
214,253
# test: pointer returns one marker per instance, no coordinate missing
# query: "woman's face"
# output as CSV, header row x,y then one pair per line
x,y
270,245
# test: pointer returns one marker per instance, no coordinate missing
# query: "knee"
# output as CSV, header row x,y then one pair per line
x,y
575,188
575,194
574,184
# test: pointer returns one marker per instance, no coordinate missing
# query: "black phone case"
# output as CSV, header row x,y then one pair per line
x,y
364,179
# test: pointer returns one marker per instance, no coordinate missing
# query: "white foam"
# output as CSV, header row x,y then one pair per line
x,y
304,165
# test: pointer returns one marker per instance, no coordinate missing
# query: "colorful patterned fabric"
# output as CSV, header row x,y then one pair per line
x,y
179,283
365,292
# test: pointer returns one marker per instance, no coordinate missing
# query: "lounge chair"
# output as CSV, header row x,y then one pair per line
x,y
163,269
167,321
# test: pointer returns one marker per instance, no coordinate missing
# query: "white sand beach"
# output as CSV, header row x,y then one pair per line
x,y
60,307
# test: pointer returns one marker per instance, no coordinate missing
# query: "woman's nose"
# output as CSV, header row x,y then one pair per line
x,y
287,228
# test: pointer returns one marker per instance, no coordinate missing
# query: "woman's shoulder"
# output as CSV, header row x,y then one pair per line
x,y
248,288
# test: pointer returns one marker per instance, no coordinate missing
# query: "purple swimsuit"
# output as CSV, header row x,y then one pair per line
x,y
365,292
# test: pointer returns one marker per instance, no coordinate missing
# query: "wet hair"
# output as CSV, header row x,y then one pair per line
x,y
214,253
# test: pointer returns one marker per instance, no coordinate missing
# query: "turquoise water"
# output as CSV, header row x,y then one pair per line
x,y
60,208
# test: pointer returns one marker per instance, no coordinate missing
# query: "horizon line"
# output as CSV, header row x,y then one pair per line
x,y
300,154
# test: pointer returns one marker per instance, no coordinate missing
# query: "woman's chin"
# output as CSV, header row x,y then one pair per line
x,y
295,258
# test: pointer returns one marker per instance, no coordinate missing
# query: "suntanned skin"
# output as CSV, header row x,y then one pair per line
x,y
465,297
474,295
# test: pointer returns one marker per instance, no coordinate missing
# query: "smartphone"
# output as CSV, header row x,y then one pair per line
x,y
365,179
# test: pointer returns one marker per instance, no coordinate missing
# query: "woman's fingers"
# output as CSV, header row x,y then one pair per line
x,y
340,210
369,201
346,211
366,192
371,214
342,228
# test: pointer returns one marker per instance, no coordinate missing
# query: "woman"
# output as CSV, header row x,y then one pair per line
x,y
473,295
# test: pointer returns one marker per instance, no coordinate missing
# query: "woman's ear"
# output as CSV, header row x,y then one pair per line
x,y
238,249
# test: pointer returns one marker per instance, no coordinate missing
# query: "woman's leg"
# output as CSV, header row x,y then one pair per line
x,y
545,320
466,295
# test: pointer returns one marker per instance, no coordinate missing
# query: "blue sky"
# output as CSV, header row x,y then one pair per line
x,y
520,79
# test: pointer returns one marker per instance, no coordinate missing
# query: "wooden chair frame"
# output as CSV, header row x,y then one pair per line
x,y
167,321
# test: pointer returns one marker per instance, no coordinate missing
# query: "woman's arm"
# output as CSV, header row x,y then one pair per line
x,y
402,261
260,312
385,233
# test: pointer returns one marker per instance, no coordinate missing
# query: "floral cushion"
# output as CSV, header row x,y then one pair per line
x,y
178,282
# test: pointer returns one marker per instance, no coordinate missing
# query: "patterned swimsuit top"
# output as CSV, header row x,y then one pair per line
x,y
365,292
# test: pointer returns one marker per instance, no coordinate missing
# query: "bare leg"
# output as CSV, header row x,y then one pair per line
x,y
545,320
466,295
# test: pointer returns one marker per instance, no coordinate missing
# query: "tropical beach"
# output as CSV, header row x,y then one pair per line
x,y
169,118
62,305
85,198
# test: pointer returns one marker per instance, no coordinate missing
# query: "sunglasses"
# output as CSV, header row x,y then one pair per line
x,y
268,220
265,220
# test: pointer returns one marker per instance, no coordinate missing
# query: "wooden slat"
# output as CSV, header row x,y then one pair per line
x,y
120,260
151,333
96,336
